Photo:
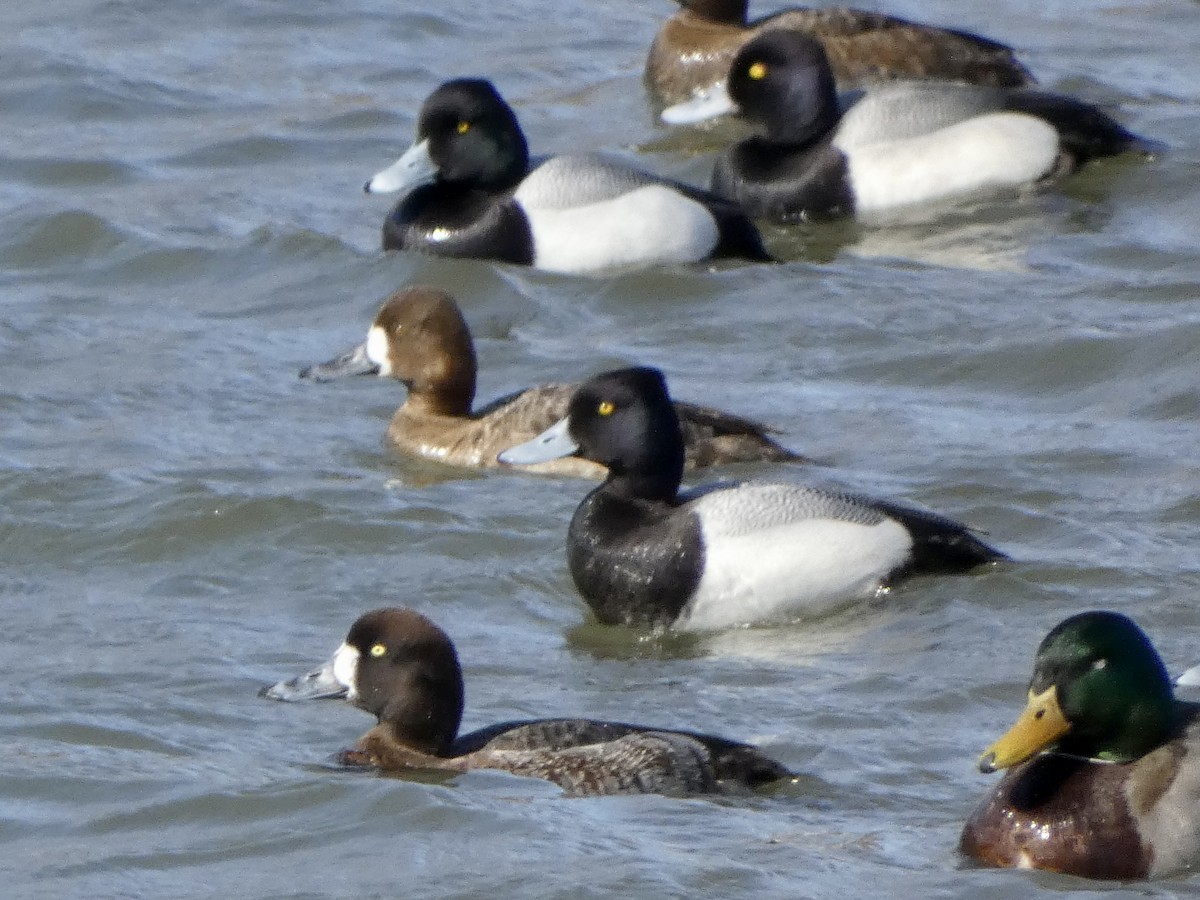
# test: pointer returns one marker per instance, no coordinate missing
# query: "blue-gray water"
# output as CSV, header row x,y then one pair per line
x,y
182,520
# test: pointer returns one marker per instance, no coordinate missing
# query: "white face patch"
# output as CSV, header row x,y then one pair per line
x,y
377,350
345,670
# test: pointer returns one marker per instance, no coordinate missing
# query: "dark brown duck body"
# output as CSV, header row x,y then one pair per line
x,y
400,667
696,45
420,338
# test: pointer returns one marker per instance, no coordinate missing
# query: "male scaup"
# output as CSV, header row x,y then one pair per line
x,y
420,338
693,49
643,554
400,667
1115,792
901,144
470,192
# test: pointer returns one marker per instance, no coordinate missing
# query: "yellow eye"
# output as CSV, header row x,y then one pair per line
x,y
463,126
605,408
757,71
377,650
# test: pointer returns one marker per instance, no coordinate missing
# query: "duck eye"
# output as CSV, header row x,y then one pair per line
x,y
757,71
377,650
463,126
605,408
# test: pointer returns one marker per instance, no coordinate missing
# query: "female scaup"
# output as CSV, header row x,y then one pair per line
x,y
643,554
900,144
693,49
1115,792
403,669
420,338
470,192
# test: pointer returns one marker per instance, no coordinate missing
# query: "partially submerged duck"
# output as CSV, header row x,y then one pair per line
x,y
695,46
419,337
641,553
1103,765
470,191
399,666
899,145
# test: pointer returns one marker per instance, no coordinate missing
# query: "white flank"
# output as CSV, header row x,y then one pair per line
x,y
987,152
808,567
649,226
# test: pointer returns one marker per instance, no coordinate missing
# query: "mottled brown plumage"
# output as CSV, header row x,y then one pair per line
x,y
419,337
696,45
403,669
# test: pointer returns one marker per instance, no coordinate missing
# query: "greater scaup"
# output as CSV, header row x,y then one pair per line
x,y
420,338
1115,792
693,49
400,667
470,191
899,145
643,554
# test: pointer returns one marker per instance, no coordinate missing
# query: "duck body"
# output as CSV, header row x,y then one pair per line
x,y
1104,763
1096,819
751,552
398,665
641,553
470,191
695,46
897,145
420,338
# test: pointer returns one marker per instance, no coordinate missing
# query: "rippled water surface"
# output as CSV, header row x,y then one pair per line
x,y
182,520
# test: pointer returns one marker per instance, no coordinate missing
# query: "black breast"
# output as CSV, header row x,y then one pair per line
x,y
449,221
773,182
634,562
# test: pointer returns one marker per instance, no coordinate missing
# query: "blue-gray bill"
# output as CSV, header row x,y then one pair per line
x,y
553,443
713,102
352,362
319,684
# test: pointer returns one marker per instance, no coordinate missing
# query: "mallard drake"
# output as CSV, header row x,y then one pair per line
x,y
1104,763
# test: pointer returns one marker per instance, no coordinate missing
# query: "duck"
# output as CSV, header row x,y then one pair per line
x,y
402,668
693,49
470,190
1103,764
898,145
420,338
643,554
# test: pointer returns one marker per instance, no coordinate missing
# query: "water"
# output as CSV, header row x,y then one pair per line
x,y
183,520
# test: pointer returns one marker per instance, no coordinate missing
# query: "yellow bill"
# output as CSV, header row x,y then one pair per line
x,y
1040,725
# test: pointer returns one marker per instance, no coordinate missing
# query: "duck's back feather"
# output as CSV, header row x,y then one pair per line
x,y
588,758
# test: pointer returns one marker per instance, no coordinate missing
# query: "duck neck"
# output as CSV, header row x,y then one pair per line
x,y
1140,726
658,482
425,712
446,386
